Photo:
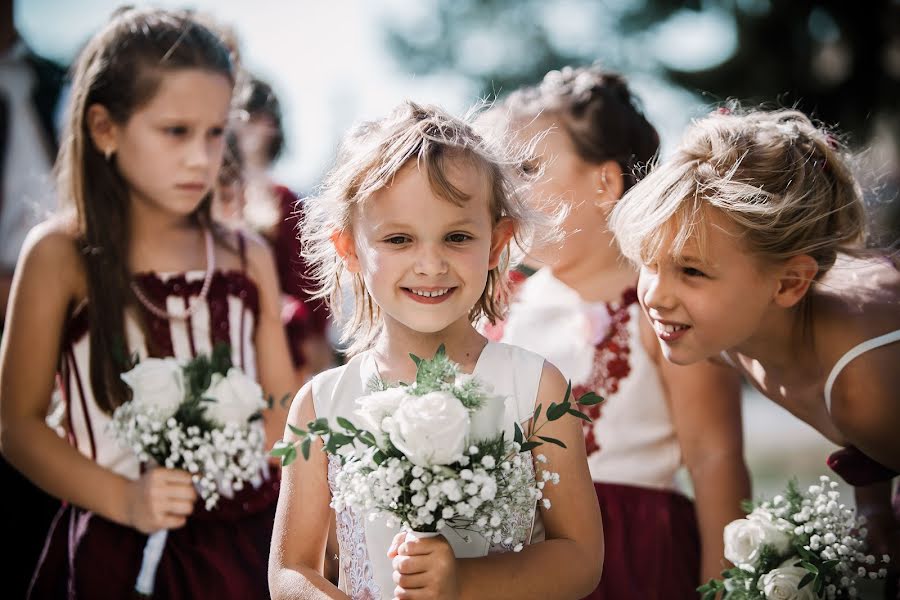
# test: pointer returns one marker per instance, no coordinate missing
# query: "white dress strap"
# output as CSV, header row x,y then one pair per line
x,y
877,342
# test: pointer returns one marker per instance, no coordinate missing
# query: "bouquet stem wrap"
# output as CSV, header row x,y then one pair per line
x,y
153,550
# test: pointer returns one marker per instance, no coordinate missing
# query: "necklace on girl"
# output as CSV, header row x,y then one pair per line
x,y
194,302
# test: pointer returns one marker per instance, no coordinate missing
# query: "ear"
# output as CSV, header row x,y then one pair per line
x,y
102,129
346,249
795,277
609,182
500,236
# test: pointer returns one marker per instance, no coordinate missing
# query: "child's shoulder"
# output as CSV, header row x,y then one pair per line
x,y
54,244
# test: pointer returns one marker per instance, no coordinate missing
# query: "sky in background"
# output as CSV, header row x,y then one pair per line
x,y
327,62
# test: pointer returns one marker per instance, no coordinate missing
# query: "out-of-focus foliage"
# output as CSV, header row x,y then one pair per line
x,y
838,60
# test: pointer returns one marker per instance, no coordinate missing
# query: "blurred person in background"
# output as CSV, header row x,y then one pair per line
x,y
274,210
580,310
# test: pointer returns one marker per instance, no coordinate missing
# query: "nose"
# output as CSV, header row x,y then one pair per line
x,y
200,152
656,291
430,260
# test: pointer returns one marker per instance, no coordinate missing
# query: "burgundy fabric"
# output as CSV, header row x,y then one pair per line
x,y
106,557
224,283
652,544
294,278
857,469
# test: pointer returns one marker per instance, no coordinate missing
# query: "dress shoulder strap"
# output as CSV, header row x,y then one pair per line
x,y
242,250
876,342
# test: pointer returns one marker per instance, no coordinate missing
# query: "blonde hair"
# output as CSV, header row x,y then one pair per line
x,y
368,159
783,180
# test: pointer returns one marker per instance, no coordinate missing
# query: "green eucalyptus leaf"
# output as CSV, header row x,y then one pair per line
x,y
552,440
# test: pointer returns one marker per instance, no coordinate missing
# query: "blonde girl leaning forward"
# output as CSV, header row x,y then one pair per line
x,y
750,245
419,212
136,266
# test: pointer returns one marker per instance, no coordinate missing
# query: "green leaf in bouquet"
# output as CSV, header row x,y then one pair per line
x,y
337,441
529,446
747,506
379,457
281,448
220,359
297,431
556,411
304,448
805,554
806,580
518,436
710,589
319,426
366,437
537,413
590,399
552,440
808,566
415,359
580,415
347,425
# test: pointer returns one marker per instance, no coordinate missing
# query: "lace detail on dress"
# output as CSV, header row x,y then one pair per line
x,y
356,568
610,363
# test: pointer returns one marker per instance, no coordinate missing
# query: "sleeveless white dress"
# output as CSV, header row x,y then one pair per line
x,y
365,570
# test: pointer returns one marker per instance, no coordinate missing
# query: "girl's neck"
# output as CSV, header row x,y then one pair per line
x,y
597,271
161,241
781,345
391,350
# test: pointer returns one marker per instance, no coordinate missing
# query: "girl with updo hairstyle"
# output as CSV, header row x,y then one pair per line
x,y
750,245
580,309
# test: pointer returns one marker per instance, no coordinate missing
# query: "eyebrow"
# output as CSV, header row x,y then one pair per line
x,y
403,225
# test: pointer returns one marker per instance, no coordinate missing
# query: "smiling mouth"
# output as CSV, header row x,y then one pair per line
x,y
669,331
429,296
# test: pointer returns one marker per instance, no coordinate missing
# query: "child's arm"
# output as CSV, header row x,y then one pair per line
x,y
567,565
865,405
49,277
273,359
705,403
302,518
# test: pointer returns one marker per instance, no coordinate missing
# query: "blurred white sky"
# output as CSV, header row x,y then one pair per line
x,y
327,63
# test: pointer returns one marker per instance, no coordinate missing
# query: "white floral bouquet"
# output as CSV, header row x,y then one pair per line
x,y
202,416
434,454
798,546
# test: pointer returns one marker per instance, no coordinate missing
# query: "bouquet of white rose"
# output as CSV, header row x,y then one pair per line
x,y
202,416
434,453
799,546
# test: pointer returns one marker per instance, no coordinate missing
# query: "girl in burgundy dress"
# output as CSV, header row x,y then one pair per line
x,y
750,244
138,267
581,312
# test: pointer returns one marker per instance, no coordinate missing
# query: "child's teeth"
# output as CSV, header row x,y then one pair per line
x,y
431,294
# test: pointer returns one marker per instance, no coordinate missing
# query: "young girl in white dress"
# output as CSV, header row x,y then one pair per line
x,y
580,311
419,212
749,240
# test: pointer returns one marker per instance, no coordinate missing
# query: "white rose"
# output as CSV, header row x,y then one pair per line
x,y
158,384
378,405
430,429
487,421
774,530
782,583
234,397
744,539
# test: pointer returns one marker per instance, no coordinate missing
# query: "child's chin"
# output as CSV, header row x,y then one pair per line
x,y
678,356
